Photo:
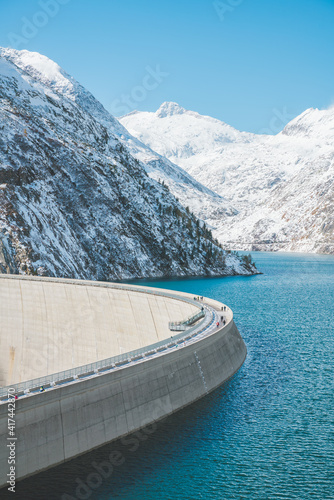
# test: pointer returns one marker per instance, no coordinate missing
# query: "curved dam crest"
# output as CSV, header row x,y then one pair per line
x,y
78,415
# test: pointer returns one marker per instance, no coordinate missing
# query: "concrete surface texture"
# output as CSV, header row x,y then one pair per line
x,y
68,420
51,326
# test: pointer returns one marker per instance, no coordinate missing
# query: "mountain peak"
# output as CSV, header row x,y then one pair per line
x,y
169,109
47,72
38,65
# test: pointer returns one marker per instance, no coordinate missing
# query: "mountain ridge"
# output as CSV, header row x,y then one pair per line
x,y
276,183
198,197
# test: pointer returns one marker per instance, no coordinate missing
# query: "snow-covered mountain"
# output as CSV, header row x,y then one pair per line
x,y
179,134
191,193
281,187
74,201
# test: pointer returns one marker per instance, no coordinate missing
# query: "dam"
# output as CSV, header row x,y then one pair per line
x,y
109,358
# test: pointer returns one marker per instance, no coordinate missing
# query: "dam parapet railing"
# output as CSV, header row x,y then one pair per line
x,y
105,364
183,325
77,373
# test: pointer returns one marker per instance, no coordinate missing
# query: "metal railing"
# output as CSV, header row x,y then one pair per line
x,y
113,362
183,325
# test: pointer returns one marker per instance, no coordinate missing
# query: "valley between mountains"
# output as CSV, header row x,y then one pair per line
x,y
278,190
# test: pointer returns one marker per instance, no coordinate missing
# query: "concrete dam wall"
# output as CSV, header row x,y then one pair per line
x,y
78,414
49,326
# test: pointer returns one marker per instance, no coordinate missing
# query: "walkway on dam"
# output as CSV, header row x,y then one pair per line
x,y
179,341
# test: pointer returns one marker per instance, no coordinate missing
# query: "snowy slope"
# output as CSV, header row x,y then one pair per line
x,y
73,199
191,193
281,186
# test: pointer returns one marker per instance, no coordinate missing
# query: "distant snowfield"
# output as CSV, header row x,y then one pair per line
x,y
279,188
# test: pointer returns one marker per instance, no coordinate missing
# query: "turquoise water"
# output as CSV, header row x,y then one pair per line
x,y
267,433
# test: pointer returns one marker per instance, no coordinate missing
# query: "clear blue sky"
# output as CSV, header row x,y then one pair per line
x,y
253,64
